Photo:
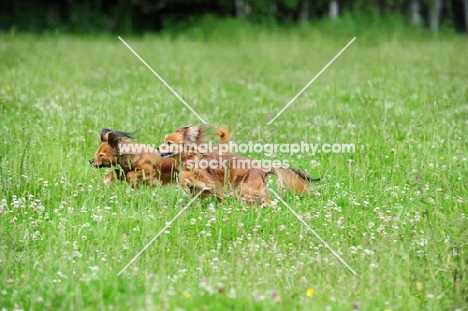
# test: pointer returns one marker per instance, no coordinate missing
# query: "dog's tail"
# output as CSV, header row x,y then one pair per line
x,y
223,135
293,179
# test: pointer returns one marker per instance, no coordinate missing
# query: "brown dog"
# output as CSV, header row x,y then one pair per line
x,y
213,171
136,163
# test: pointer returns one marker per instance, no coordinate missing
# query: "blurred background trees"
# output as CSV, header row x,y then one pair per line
x,y
134,16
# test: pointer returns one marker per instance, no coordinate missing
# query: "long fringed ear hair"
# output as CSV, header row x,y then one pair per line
x,y
193,134
114,137
103,133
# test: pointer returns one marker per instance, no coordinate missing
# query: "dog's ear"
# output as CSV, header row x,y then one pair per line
x,y
113,139
103,133
194,134
182,129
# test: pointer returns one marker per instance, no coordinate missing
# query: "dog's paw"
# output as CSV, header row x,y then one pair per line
x,y
107,180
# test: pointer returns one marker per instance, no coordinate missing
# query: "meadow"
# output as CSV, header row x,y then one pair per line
x,y
395,210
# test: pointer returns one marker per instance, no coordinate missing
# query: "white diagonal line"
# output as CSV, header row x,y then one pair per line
x,y
162,230
162,80
312,81
313,231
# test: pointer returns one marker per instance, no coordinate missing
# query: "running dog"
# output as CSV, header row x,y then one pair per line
x,y
210,172
136,163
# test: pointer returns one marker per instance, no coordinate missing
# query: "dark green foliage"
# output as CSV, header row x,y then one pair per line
x,y
138,16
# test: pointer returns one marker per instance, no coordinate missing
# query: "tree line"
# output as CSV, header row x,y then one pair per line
x,y
89,16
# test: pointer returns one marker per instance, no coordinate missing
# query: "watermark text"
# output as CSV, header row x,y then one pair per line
x,y
243,148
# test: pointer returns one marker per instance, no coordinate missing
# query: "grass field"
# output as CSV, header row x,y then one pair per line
x,y
395,210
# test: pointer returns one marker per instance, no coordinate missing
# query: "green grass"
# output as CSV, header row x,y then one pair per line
x,y
395,210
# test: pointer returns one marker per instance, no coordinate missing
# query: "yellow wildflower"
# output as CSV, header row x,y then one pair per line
x,y
419,285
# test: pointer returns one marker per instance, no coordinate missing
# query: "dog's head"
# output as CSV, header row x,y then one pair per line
x,y
108,152
185,139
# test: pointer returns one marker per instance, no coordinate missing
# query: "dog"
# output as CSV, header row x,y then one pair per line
x,y
239,175
138,164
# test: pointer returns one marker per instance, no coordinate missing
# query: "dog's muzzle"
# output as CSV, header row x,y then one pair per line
x,y
165,154
92,163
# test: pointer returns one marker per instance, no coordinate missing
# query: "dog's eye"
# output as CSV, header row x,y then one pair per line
x,y
169,143
101,156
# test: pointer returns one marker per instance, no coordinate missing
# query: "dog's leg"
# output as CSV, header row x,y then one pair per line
x,y
134,178
151,177
219,192
253,191
109,177
188,182
266,201
115,173
192,185
140,177
167,173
